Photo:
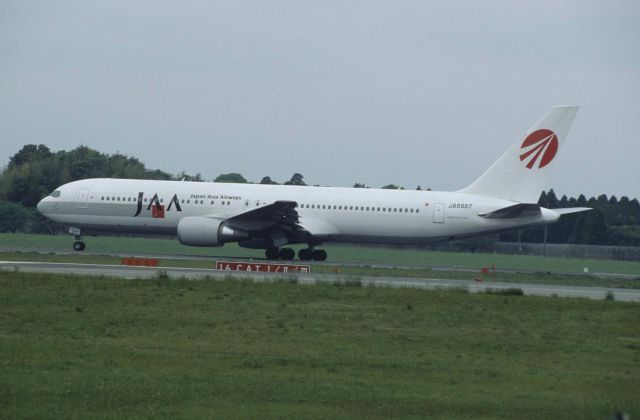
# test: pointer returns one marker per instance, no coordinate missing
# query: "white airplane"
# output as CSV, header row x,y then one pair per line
x,y
270,216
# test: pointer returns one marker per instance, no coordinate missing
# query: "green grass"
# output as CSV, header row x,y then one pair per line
x,y
337,253
78,347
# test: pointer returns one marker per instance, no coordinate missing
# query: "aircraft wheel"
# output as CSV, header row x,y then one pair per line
x,y
272,253
287,254
78,246
319,255
305,254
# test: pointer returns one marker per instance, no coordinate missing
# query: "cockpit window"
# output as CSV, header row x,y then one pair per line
x,y
55,194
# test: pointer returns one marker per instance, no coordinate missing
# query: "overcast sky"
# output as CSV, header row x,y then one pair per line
x,y
414,93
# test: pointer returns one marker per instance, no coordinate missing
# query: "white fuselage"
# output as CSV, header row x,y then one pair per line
x,y
329,214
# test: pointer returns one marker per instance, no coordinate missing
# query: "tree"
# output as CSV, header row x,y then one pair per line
x,y
296,179
268,181
34,171
30,153
232,177
40,224
359,185
392,187
13,217
183,176
595,230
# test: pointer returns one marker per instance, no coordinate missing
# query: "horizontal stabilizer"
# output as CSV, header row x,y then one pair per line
x,y
511,212
570,210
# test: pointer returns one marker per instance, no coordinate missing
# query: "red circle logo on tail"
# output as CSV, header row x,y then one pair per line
x,y
539,148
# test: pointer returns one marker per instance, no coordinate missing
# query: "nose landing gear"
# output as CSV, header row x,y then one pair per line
x,y
78,245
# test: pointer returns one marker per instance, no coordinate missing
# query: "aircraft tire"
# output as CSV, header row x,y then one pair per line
x,y
319,255
287,254
272,253
78,246
305,254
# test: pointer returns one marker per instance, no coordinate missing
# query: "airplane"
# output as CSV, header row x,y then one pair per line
x,y
207,214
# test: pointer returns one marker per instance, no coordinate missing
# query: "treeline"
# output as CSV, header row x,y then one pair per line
x,y
612,221
35,171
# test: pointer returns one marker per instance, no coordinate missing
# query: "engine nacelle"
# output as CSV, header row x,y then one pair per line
x,y
202,231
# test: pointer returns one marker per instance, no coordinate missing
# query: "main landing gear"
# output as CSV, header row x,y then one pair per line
x,y
289,254
312,254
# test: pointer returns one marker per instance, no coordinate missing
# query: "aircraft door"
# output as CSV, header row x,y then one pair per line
x,y
438,213
83,198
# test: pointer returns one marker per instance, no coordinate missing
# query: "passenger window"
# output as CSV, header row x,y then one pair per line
x,y
367,208
417,210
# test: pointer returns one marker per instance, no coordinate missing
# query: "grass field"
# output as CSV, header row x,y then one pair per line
x,y
337,253
77,347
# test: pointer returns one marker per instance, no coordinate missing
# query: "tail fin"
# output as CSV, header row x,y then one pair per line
x,y
522,171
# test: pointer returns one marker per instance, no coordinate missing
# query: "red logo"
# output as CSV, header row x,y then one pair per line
x,y
539,148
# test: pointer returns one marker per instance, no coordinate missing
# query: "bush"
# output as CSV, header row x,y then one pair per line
x,y
511,291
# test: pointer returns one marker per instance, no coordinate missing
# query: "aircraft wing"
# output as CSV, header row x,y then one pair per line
x,y
279,213
280,221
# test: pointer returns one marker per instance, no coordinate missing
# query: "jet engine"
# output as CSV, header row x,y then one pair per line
x,y
202,231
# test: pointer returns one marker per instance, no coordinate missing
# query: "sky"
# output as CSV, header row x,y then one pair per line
x,y
425,93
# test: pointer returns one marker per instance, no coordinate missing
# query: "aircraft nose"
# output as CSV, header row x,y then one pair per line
x,y
42,206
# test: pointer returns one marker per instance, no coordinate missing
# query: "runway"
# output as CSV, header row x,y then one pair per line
x,y
598,293
188,257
